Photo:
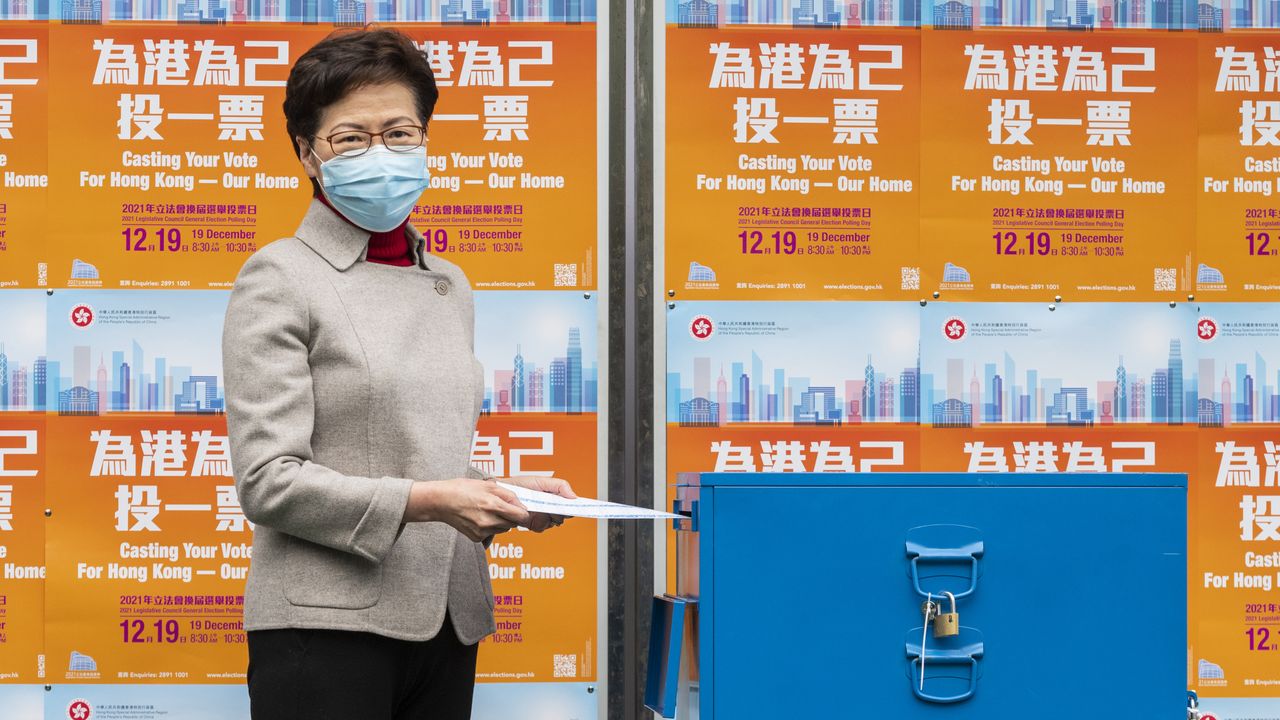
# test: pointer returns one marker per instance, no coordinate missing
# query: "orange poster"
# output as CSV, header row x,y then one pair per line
x,y
513,153
148,550
775,447
544,585
1039,448
24,174
1235,569
179,166
175,165
792,163
1238,184
1058,164
22,568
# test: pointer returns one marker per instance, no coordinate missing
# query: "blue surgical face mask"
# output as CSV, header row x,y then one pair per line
x,y
377,189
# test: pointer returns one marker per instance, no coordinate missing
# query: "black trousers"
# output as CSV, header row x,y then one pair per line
x,y
297,674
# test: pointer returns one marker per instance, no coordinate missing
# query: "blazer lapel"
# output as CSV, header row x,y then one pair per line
x,y
339,242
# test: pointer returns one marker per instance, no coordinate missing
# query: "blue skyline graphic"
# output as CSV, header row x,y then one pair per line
x,y
539,351
1238,368
336,12
803,363
145,351
160,351
971,14
817,14
1081,364
1239,15
22,350
24,9
1090,14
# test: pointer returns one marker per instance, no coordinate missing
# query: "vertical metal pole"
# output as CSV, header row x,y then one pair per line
x,y
630,545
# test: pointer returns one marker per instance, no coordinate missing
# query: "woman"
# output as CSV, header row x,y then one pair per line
x,y
352,396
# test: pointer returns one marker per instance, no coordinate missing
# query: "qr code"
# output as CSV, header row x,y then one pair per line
x,y
910,278
1166,278
566,666
566,274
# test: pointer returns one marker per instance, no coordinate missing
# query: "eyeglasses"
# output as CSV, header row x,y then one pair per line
x,y
401,138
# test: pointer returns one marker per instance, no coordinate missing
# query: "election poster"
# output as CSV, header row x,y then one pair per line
x,y
1236,557
1058,164
1238,218
792,163
147,545
178,166
541,417
142,149
23,442
148,529
544,585
148,550
174,164
1236,562
512,147
24,173
22,548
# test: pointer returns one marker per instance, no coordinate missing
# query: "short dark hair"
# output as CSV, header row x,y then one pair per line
x,y
347,60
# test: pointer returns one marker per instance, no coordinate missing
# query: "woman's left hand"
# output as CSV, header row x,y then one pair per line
x,y
542,521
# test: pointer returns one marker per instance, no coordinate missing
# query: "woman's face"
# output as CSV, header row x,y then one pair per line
x,y
372,108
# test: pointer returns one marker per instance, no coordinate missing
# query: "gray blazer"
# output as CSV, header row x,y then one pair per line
x,y
346,381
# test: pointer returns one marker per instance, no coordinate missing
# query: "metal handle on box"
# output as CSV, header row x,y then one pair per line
x,y
916,683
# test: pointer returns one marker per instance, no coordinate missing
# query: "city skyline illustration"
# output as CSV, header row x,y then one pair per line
x,y
336,12
886,362
804,363
1238,370
820,14
1213,15
22,347
1090,14
1080,364
972,14
1226,15
141,353
539,350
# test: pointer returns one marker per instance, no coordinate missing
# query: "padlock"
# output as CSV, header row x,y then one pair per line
x,y
947,624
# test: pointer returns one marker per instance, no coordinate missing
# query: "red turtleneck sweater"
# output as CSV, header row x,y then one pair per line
x,y
389,248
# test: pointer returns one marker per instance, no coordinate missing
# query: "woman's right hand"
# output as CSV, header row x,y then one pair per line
x,y
475,508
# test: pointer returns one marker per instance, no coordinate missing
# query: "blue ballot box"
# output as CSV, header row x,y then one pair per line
x,y
805,596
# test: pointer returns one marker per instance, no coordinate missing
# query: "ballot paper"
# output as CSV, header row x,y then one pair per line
x,y
544,502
